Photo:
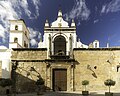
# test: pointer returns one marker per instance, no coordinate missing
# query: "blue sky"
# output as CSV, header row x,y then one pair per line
x,y
95,19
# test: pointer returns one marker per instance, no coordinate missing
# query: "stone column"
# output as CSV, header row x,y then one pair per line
x,y
48,76
50,45
70,44
72,77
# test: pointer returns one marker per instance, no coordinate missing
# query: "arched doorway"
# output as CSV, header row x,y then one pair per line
x,y
60,45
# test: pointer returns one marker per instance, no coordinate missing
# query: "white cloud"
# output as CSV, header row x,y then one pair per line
x,y
103,9
23,6
14,9
33,42
78,23
79,11
36,4
113,6
34,35
95,21
2,31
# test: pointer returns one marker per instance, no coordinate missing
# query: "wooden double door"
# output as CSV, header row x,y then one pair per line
x,y
59,80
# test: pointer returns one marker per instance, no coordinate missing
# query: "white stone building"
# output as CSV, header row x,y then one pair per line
x,y
61,60
5,55
19,34
59,37
19,38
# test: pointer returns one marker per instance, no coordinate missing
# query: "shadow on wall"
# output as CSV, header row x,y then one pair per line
x,y
27,85
22,84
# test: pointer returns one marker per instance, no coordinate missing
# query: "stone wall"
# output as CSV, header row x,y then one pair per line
x,y
29,54
96,59
26,79
87,62
26,83
27,58
0,69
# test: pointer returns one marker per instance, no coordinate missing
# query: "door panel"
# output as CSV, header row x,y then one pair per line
x,y
59,79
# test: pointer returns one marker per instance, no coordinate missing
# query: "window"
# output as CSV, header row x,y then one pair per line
x,y
16,40
95,45
25,33
25,44
16,27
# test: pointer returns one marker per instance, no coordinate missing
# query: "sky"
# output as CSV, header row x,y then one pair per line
x,y
95,19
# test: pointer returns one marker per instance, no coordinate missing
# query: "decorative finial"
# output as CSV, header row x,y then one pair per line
x,y
60,13
46,23
107,45
73,21
46,20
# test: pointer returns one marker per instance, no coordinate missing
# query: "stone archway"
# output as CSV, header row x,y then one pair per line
x,y
60,45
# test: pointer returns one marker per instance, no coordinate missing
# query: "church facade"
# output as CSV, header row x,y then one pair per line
x,y
61,60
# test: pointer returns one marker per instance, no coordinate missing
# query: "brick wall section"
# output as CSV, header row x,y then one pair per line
x,y
98,58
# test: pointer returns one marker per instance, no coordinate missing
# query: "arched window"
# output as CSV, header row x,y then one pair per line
x,y
16,27
16,40
60,45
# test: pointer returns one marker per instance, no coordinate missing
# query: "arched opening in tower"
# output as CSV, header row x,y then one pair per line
x,y
60,45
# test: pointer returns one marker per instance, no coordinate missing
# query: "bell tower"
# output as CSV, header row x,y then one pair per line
x,y
19,34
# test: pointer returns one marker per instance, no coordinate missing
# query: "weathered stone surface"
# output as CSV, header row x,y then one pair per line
x,y
26,79
90,65
97,60
29,54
